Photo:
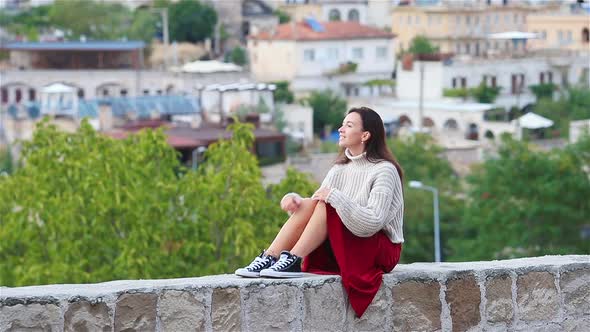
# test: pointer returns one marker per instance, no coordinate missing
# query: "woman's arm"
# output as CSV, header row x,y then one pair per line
x,y
364,221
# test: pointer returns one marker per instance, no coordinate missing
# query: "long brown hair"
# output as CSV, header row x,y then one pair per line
x,y
375,147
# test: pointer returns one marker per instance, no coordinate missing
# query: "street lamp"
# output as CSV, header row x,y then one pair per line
x,y
196,153
420,185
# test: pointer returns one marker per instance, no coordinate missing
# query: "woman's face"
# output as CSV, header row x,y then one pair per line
x,y
351,132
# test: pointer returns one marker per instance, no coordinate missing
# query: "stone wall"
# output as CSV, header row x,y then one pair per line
x,y
550,293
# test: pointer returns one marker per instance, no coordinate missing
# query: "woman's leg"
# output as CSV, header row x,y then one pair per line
x,y
315,233
292,229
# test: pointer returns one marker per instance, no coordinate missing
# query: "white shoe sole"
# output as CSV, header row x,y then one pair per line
x,y
246,274
274,274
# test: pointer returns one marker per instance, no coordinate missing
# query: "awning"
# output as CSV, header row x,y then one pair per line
x,y
513,35
534,121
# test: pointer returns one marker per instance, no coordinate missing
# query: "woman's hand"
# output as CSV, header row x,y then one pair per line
x,y
321,194
291,203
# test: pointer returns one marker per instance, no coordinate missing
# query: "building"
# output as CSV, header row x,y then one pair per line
x,y
513,74
98,70
566,28
462,27
343,56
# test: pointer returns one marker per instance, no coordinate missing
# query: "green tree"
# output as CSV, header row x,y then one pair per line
x,y
283,17
573,104
238,56
6,161
422,160
526,203
191,21
95,20
484,94
282,94
544,90
328,110
143,26
422,45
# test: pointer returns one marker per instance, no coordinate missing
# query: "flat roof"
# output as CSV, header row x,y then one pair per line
x,y
75,46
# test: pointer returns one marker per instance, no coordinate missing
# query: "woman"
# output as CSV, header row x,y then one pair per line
x,y
352,225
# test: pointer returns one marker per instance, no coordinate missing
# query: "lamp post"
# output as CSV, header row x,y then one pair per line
x,y
420,185
196,153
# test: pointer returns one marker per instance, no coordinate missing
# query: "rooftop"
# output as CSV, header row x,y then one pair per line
x,y
75,46
326,31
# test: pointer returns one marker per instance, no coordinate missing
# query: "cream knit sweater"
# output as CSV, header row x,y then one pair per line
x,y
367,196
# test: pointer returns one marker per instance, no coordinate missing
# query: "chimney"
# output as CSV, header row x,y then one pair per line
x,y
105,116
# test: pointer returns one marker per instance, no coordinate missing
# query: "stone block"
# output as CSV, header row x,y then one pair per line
x,y
416,306
271,307
182,311
499,299
464,297
575,288
136,312
85,316
226,309
536,297
31,317
375,317
579,324
325,307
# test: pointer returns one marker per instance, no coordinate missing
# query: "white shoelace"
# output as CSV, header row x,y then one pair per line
x,y
282,263
256,264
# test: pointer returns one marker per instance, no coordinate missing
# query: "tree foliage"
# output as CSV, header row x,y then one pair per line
x,y
423,160
573,104
485,94
422,45
282,94
544,90
87,208
238,56
191,21
328,110
526,203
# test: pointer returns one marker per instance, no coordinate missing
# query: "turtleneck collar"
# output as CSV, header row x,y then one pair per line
x,y
359,160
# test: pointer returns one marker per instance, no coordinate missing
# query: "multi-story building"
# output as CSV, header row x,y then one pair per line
x,y
462,27
567,28
341,56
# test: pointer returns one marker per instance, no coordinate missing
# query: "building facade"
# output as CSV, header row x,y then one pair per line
x,y
567,28
342,56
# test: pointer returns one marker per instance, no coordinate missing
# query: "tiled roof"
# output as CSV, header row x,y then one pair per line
x,y
332,31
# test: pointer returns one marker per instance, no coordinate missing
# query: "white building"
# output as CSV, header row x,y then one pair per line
x,y
342,56
514,75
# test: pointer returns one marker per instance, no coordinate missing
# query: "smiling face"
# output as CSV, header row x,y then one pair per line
x,y
351,133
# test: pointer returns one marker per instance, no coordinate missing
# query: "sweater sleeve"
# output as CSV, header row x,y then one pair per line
x,y
364,221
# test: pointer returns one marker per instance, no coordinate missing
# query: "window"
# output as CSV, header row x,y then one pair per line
x,y
381,52
506,18
430,20
417,20
488,19
123,92
467,48
18,95
80,93
541,77
4,93
357,53
159,92
105,92
476,20
459,82
560,35
308,55
146,92
476,49
463,82
517,84
32,94
467,20
457,48
549,77
409,20
515,18
569,35
457,20
497,18
353,15
585,35
334,15
332,53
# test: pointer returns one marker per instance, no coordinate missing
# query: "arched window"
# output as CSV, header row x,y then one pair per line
x,y
585,35
334,15
353,15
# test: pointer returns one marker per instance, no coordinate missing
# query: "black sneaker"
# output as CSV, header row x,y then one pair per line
x,y
258,264
288,266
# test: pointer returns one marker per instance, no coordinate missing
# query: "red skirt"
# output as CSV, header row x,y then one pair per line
x,y
360,261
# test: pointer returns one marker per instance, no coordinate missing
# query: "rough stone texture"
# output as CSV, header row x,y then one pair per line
x,y
136,312
182,311
416,306
463,297
271,308
374,318
317,300
537,297
32,317
575,287
499,299
576,324
85,316
226,309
